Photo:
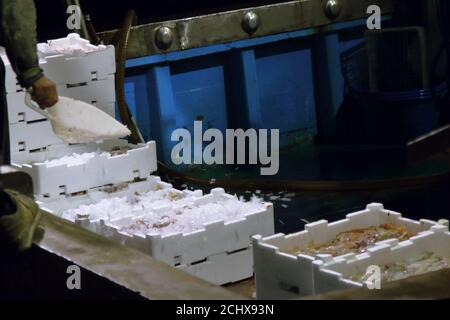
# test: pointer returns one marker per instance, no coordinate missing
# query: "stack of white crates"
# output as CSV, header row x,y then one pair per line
x,y
67,176
85,73
219,251
280,273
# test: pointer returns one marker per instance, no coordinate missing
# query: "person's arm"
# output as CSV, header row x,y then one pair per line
x,y
19,37
7,205
18,19
18,221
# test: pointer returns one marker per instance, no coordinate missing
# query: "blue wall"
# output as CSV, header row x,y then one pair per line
x,y
290,81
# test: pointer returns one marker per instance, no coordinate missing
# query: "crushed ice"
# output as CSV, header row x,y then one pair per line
x,y
72,45
165,211
81,158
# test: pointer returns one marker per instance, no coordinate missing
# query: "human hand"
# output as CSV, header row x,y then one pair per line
x,y
44,92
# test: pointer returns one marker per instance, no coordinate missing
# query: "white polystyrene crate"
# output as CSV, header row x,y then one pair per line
x,y
110,226
99,93
59,205
213,238
336,274
75,68
60,150
180,248
223,268
282,275
204,252
27,138
92,66
102,168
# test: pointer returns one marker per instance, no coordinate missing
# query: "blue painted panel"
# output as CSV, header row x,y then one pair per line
x,y
162,109
137,96
243,101
199,93
329,83
250,89
290,81
130,95
286,86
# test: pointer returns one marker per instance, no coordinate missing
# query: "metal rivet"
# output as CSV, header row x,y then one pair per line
x,y
332,9
250,22
164,38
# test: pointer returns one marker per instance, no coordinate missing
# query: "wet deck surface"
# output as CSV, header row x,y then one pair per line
x,y
294,209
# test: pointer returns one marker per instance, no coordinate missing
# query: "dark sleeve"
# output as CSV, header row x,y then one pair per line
x,y
18,27
7,205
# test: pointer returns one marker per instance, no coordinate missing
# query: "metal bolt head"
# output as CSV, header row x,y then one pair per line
x,y
250,22
332,9
164,38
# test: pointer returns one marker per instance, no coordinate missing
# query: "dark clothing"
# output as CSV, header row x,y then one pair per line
x,y
18,36
7,205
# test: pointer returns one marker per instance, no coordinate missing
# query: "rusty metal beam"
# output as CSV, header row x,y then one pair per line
x,y
231,26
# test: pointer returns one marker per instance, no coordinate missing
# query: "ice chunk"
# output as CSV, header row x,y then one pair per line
x,y
167,211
